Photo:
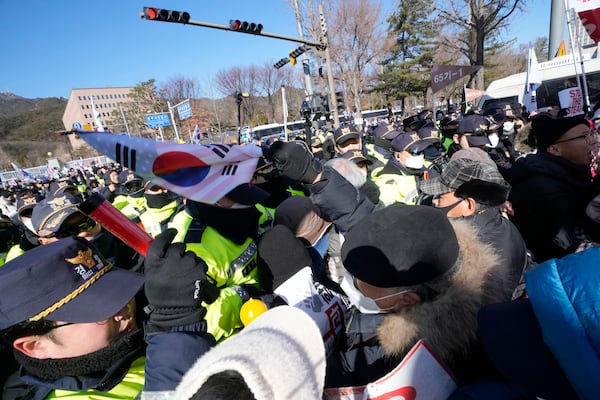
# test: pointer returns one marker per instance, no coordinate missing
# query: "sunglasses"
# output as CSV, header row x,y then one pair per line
x,y
86,224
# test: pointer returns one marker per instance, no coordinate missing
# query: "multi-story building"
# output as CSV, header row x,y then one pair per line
x,y
79,113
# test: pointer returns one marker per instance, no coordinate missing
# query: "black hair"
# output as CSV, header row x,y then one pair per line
x,y
26,328
224,385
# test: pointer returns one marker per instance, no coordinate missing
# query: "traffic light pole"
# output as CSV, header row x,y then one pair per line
x,y
319,46
305,61
332,99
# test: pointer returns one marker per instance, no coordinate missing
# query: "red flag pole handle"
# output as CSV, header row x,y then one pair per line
x,y
114,221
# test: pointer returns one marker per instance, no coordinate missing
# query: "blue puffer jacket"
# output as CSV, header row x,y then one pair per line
x,y
566,301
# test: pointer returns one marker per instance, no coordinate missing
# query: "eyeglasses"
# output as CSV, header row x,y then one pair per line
x,y
591,137
355,283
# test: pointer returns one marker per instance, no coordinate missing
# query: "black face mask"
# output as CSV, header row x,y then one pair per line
x,y
431,153
92,363
447,209
157,200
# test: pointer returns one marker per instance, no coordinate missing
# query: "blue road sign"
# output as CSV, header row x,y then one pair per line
x,y
77,126
156,120
184,110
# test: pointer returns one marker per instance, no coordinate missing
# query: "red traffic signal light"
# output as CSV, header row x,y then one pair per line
x,y
245,26
158,14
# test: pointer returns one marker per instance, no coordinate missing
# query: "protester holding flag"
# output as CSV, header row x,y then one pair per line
x,y
224,236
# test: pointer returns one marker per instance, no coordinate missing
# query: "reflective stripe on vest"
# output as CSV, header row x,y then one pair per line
x,y
128,388
396,188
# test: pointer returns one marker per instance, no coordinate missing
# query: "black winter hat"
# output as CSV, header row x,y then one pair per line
x,y
547,129
400,245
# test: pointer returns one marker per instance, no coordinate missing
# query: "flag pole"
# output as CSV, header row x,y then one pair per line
x,y
581,78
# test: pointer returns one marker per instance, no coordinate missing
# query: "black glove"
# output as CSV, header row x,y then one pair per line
x,y
283,252
295,160
175,284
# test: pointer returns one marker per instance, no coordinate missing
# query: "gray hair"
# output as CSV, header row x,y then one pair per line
x,y
349,170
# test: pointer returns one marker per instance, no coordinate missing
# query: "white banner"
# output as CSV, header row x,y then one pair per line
x,y
572,100
420,376
323,305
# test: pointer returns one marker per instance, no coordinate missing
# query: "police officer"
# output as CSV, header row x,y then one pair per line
x,y
224,236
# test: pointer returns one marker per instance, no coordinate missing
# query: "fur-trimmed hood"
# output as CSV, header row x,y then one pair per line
x,y
448,323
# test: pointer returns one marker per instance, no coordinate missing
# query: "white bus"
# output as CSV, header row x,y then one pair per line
x,y
557,74
265,132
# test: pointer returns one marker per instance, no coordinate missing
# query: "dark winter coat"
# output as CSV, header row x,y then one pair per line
x,y
376,343
549,195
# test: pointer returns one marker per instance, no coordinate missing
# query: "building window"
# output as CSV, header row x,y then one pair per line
x,y
82,107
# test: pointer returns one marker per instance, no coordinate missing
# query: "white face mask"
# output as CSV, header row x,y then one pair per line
x,y
29,225
494,139
508,127
364,304
415,162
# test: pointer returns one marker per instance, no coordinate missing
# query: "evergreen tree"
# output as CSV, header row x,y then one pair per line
x,y
407,69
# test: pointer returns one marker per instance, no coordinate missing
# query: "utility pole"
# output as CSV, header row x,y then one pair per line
x,y
285,113
325,41
305,61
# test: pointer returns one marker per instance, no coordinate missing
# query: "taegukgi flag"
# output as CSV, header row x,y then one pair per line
x,y
202,173
533,80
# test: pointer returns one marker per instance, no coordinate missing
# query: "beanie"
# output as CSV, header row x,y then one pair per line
x,y
547,129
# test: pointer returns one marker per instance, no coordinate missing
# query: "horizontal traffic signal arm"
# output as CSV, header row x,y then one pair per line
x,y
183,17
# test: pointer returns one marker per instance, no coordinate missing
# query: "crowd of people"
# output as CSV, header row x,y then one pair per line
x,y
476,233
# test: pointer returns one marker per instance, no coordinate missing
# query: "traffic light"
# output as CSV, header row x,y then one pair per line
x,y
281,62
297,52
244,26
300,50
339,98
159,14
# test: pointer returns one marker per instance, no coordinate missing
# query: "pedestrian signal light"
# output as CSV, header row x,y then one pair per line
x,y
245,26
158,14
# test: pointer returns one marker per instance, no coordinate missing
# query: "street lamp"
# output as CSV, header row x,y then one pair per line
x,y
306,113
239,97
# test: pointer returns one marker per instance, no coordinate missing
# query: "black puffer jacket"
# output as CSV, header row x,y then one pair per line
x,y
549,196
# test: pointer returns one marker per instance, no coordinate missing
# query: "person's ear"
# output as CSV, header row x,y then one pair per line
x,y
471,205
407,299
553,149
31,346
43,241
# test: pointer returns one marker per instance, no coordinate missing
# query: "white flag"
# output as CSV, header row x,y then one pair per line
x,y
97,121
533,80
